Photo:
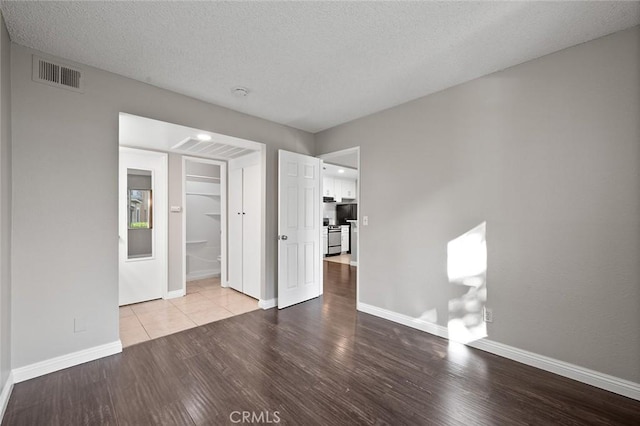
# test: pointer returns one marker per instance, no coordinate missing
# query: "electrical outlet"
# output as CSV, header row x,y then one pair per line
x,y
79,324
487,314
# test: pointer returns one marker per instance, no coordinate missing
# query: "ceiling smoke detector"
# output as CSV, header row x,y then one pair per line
x,y
240,91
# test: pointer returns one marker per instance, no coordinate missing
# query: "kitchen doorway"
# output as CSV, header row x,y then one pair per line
x,y
340,213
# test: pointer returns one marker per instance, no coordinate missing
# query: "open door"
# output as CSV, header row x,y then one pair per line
x,y
299,256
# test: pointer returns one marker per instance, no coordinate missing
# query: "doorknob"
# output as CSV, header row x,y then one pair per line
x,y
282,237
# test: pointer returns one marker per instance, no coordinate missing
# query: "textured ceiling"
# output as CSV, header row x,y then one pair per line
x,y
310,65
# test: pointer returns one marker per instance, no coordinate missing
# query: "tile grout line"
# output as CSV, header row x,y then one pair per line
x,y
243,299
142,325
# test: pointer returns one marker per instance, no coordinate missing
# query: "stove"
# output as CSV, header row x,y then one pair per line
x,y
335,239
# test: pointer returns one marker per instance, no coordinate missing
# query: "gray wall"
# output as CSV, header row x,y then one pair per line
x,y
547,153
5,204
176,255
66,265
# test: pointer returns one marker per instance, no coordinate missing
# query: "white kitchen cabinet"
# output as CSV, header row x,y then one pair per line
x,y
328,187
344,241
339,188
325,240
347,188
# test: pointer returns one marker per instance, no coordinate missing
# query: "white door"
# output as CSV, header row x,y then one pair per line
x,y
245,229
251,230
142,225
235,229
299,258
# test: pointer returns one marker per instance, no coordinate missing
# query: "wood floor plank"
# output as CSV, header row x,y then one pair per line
x,y
315,363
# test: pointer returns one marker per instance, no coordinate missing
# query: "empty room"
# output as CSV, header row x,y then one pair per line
x,y
319,212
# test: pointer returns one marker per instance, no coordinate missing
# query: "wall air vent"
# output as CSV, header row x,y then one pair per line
x,y
57,74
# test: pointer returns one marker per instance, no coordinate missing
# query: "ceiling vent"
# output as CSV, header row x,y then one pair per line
x,y
210,148
57,74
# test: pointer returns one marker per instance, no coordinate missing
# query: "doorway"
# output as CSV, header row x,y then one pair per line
x,y
143,230
204,218
305,237
196,289
340,213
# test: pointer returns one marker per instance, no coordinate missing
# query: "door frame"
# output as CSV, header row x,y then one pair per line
x,y
268,296
327,158
223,216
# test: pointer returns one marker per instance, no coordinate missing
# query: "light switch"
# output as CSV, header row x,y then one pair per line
x,y
365,220
176,209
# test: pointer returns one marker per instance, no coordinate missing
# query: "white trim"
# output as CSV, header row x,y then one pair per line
x,y
353,263
320,264
172,294
65,361
6,394
417,323
268,304
581,374
340,153
591,377
201,275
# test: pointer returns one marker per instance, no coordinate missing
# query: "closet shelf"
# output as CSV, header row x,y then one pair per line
x,y
197,242
215,179
205,194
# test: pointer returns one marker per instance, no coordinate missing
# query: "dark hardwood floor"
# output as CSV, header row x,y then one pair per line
x,y
318,362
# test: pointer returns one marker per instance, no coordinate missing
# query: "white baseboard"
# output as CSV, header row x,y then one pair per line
x,y
353,263
268,304
6,394
429,327
201,275
591,377
65,361
174,293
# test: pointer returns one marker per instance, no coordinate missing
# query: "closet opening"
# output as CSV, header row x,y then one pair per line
x,y
204,219
209,267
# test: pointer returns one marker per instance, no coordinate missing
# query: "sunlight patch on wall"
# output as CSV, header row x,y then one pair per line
x,y
467,272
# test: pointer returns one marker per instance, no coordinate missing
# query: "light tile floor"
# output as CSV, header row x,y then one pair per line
x,y
206,301
341,258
